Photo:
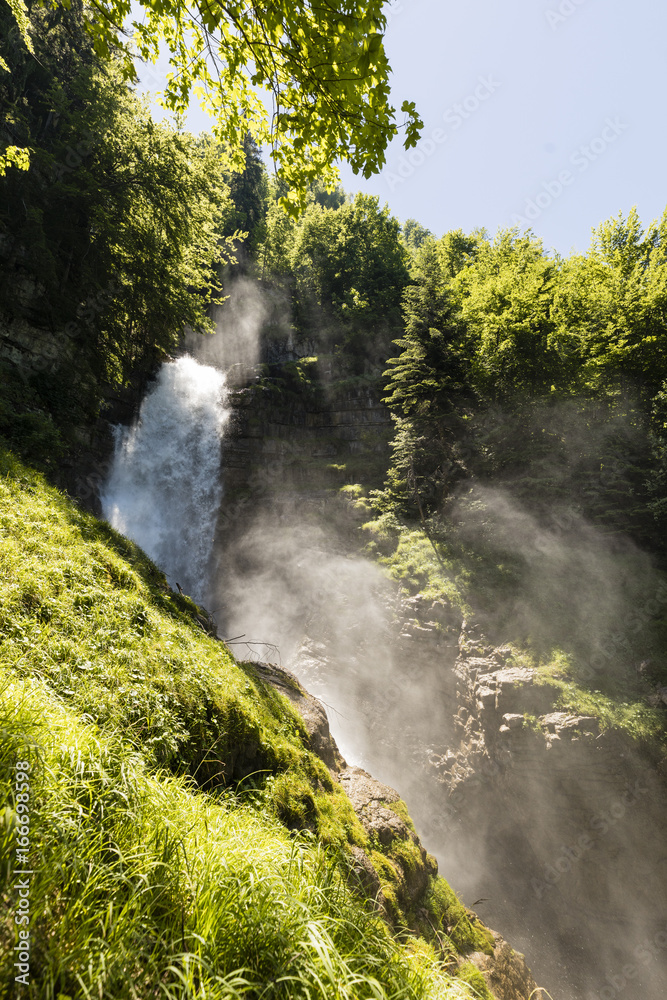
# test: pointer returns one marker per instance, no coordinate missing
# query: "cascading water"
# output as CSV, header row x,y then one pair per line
x,y
165,486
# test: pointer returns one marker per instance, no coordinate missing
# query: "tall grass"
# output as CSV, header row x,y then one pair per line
x,y
84,610
152,877
144,888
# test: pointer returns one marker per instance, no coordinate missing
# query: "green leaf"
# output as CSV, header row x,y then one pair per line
x,y
20,12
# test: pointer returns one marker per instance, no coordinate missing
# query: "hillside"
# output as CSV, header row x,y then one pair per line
x,y
184,839
418,478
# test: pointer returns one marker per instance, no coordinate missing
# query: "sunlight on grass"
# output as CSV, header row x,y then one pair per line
x,y
185,842
142,888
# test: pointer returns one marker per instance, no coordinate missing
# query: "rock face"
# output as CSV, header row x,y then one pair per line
x,y
372,803
274,444
311,710
505,971
35,350
557,826
569,817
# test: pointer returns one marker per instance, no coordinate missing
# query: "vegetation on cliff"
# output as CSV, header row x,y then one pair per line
x,y
184,839
190,842
528,473
114,236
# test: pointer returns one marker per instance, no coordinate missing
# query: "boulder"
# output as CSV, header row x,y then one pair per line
x,y
510,690
506,973
514,720
561,722
314,716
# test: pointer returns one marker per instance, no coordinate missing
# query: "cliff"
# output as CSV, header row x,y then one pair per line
x,y
531,774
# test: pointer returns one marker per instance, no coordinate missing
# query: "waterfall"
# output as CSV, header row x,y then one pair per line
x,y
165,485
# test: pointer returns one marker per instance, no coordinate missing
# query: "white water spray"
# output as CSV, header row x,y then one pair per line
x,y
165,485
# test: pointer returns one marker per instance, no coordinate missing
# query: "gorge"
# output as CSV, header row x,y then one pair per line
x,y
333,551
548,823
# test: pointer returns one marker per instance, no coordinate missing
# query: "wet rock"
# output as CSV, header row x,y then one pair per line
x,y
514,720
561,722
370,798
365,876
511,691
364,791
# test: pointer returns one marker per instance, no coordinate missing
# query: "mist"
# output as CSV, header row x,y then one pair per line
x,y
569,584
388,666
235,345
249,313
551,830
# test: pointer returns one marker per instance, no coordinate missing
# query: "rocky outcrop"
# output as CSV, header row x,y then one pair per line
x,y
311,710
533,806
506,972
372,803
567,813
384,817
296,443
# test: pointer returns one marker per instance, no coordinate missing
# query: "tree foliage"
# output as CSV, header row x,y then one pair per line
x,y
349,263
249,197
114,233
346,268
548,374
506,293
610,307
309,80
429,371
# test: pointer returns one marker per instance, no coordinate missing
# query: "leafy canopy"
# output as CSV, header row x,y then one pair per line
x,y
308,79
115,235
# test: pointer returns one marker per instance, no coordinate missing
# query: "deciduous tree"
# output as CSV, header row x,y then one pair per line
x,y
309,79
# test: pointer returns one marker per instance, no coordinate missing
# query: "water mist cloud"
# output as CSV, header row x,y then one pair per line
x,y
574,587
236,345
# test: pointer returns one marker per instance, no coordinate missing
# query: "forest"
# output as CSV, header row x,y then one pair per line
x,y
491,354
507,370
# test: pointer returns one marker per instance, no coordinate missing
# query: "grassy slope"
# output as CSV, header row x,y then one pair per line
x,y
160,770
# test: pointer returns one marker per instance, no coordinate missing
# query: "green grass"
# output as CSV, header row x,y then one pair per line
x,y
469,974
411,559
465,932
618,702
185,842
84,610
142,888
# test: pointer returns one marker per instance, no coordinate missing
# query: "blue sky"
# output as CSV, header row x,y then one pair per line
x,y
546,113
